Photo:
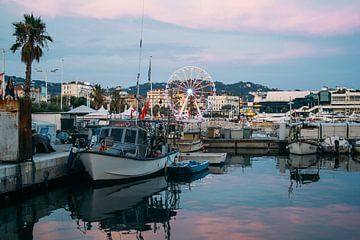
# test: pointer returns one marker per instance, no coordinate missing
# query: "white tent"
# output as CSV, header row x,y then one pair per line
x,y
128,113
81,110
101,112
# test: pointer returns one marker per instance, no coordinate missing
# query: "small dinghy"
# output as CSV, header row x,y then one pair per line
x,y
188,167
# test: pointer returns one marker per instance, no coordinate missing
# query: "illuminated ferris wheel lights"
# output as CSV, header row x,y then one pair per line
x,y
190,91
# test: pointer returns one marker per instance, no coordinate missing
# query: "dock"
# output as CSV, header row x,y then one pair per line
x,y
44,168
247,146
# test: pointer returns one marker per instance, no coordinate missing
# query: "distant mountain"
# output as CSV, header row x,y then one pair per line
x,y
53,88
237,89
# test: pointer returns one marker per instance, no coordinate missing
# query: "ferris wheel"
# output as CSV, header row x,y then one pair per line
x,y
188,89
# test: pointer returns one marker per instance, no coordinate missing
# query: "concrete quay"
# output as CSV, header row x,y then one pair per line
x,y
44,168
250,146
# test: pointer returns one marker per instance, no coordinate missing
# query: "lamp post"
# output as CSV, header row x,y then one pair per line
x,y
62,81
46,79
3,81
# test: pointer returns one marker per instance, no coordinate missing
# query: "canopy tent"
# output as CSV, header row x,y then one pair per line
x,y
101,112
81,110
129,113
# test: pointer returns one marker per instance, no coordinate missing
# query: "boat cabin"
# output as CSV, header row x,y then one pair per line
x,y
130,141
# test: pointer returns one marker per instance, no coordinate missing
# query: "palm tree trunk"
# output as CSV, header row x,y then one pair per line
x,y
28,80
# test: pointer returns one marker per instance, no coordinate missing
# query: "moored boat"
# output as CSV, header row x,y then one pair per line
x,y
124,153
214,158
356,146
303,147
188,167
335,144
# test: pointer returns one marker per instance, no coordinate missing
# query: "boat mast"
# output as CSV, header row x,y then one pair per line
x,y
139,66
151,89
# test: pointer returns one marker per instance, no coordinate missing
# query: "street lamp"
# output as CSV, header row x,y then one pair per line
x,y
62,80
3,81
46,79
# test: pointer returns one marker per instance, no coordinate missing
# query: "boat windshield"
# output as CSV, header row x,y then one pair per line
x,y
104,133
116,134
130,136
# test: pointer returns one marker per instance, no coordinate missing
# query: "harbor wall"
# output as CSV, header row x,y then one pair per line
x,y
15,130
45,167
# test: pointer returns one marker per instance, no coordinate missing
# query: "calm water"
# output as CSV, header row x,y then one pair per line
x,y
249,198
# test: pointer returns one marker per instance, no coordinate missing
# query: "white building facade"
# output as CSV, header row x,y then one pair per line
x,y
216,103
77,89
157,97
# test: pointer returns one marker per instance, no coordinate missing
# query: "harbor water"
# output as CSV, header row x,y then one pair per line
x,y
250,197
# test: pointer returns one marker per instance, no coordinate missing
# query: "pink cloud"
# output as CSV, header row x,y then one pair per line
x,y
301,17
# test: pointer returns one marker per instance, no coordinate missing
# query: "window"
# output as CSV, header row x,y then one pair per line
x,y
355,98
117,134
130,136
104,133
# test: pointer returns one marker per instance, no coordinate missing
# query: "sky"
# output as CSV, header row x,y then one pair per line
x,y
284,44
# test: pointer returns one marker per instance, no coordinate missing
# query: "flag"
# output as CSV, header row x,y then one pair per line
x,y
149,72
2,84
143,112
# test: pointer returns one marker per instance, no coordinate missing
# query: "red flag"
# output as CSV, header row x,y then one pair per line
x,y
143,112
2,83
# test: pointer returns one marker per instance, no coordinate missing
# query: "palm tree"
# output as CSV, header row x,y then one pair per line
x,y
31,38
98,96
117,103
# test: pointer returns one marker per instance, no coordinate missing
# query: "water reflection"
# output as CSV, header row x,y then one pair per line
x,y
134,207
186,178
303,169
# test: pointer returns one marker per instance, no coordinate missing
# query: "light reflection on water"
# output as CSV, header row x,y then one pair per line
x,y
267,197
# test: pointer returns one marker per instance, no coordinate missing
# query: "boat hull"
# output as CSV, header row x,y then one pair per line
x,y
214,158
102,166
302,148
192,146
329,145
357,149
188,167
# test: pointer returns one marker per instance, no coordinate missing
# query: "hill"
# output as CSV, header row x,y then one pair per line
x,y
237,89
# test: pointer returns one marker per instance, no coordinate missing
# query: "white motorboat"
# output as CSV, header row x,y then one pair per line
x,y
125,152
190,142
335,144
303,147
356,146
214,158
190,146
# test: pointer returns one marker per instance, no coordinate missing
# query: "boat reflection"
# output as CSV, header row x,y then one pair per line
x,y
186,178
138,206
304,169
341,162
302,161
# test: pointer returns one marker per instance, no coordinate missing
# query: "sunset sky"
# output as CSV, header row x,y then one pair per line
x,y
286,44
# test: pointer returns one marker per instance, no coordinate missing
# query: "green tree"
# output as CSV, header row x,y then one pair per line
x,y
117,103
77,101
98,96
31,38
156,110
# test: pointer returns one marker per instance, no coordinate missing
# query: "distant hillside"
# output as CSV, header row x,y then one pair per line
x,y
53,88
237,89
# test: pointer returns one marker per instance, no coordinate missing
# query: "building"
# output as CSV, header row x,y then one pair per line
x,y
130,100
276,101
77,89
157,97
35,93
345,96
224,103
